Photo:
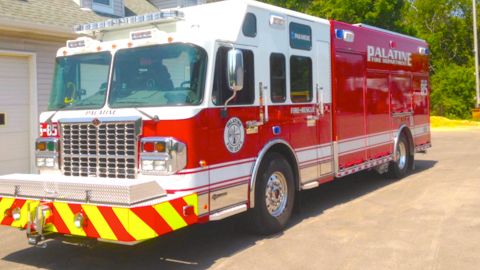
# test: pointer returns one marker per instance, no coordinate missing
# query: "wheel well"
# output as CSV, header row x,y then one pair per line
x,y
287,153
281,147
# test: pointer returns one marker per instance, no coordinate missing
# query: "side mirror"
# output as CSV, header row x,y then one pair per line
x,y
235,69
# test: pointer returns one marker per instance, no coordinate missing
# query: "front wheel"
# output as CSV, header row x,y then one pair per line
x,y
274,195
399,167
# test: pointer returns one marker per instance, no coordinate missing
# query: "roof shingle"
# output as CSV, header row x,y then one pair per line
x,y
63,13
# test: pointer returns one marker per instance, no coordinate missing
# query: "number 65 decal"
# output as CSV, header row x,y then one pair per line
x,y
49,130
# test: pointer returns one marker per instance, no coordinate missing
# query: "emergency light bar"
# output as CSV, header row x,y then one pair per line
x,y
157,17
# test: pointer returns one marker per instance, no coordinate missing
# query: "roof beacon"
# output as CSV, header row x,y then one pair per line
x,y
345,35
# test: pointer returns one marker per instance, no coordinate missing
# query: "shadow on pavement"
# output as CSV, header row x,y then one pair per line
x,y
199,246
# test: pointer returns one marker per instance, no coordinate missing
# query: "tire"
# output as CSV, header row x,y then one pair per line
x,y
399,167
272,211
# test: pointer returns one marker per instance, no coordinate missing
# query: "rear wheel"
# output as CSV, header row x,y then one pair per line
x,y
274,195
399,167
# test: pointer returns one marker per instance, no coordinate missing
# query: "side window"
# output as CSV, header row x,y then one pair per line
x,y
278,91
249,27
300,79
221,90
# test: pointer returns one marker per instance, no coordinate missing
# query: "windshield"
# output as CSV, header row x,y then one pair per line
x,y
80,81
161,75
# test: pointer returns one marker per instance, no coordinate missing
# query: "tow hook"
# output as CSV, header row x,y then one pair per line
x,y
37,223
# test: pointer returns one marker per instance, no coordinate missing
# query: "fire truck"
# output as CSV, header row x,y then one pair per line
x,y
164,120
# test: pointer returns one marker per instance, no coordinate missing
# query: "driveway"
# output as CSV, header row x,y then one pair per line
x,y
428,220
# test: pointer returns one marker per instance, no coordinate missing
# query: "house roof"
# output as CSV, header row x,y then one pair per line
x,y
59,15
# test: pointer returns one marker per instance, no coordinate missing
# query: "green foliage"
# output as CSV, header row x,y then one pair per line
x,y
453,91
381,13
298,5
446,25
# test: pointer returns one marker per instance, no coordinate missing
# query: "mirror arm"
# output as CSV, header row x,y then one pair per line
x,y
224,110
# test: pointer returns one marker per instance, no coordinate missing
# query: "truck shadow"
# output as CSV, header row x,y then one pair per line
x,y
200,246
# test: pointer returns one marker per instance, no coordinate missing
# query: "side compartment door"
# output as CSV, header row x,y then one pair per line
x,y
350,108
323,88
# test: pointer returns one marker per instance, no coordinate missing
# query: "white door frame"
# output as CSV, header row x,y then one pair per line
x,y
33,100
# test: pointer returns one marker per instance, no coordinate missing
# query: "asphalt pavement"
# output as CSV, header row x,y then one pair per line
x,y
428,220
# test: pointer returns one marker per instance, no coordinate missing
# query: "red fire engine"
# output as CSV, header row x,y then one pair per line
x,y
160,121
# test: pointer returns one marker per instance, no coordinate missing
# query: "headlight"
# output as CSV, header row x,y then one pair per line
x,y
46,153
162,156
147,165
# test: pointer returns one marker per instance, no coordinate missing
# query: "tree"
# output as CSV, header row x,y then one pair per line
x,y
446,25
453,92
386,14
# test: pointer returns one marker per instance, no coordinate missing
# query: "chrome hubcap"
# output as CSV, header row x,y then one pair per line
x,y
276,194
401,155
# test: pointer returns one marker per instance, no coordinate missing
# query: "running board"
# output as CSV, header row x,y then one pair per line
x,y
228,212
422,148
364,166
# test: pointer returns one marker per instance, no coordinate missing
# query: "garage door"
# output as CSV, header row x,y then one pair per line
x,y
14,104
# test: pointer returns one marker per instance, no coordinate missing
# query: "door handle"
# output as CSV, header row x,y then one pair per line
x,y
320,106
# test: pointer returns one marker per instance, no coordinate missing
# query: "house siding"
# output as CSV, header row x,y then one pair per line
x,y
45,55
161,4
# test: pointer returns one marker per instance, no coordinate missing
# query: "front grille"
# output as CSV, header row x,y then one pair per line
x,y
107,150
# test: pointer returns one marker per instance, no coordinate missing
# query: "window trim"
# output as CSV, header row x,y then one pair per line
x,y
102,7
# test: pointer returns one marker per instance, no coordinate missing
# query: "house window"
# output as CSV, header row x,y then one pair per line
x,y
103,2
105,6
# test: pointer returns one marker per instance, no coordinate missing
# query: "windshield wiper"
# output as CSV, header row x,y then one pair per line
x,y
59,108
154,118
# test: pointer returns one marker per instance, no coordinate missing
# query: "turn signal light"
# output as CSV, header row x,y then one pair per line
x,y
44,146
41,146
160,147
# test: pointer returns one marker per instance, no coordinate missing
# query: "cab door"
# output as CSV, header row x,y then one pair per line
x,y
231,148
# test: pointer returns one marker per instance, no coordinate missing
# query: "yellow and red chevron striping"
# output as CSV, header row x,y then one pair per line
x,y
110,223
120,233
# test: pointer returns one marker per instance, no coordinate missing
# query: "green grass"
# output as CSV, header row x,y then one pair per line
x,y
443,122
